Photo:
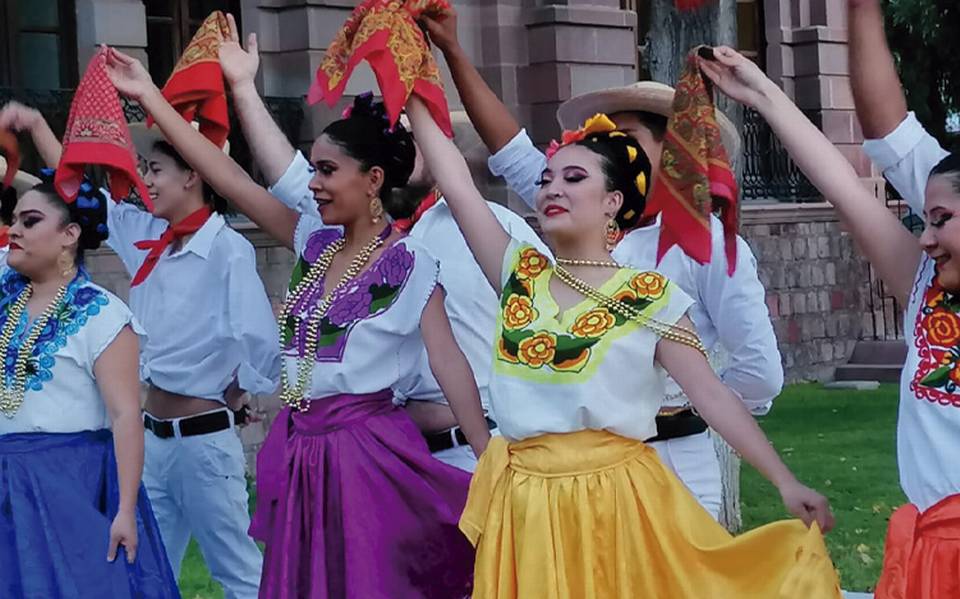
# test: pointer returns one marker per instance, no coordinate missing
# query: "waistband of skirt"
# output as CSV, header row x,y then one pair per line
x,y
572,454
33,442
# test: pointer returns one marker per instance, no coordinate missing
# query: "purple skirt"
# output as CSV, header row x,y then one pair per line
x,y
351,505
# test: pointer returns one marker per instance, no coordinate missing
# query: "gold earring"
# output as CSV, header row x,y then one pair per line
x,y
612,234
376,209
65,262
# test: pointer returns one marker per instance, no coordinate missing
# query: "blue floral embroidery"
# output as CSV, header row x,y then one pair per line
x,y
80,303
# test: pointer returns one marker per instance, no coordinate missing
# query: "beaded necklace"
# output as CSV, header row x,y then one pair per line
x,y
579,262
664,330
295,396
11,398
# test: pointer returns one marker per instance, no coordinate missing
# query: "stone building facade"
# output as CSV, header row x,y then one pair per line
x,y
535,54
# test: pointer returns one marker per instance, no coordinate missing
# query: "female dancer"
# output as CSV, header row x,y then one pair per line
x,y
71,439
209,338
571,502
350,502
922,543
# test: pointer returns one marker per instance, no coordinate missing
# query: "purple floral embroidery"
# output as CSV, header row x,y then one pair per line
x,y
371,294
318,241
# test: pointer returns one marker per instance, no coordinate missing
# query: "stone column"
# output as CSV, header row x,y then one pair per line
x,y
118,23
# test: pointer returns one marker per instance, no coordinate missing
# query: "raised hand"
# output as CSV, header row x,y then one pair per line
x,y
442,28
16,117
239,66
808,505
128,75
736,75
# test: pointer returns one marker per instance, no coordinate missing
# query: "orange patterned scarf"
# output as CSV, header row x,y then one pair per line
x,y
97,134
695,178
196,88
386,35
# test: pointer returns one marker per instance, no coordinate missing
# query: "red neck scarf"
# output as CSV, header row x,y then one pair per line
x,y
195,89
405,224
385,34
695,178
187,226
97,134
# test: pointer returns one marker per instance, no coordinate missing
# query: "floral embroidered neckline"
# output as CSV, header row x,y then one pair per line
x,y
81,302
368,295
568,343
937,341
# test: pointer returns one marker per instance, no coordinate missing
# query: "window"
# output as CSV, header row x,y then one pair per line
x,y
38,46
171,25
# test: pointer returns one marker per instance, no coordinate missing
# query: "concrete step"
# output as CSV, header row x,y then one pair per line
x,y
879,352
885,373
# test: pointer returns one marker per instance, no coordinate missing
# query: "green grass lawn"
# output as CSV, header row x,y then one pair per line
x,y
838,442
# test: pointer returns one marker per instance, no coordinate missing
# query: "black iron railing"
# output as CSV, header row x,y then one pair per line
x,y
768,172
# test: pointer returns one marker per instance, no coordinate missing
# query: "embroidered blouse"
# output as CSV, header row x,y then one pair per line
x,y
61,392
370,337
928,425
587,368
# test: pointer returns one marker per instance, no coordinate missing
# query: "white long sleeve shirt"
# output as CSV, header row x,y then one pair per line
x,y
204,308
469,300
729,312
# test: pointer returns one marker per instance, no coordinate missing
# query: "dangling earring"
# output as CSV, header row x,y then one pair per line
x,y
376,209
612,234
65,262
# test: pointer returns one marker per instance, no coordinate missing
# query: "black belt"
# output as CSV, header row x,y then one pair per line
x,y
201,424
682,424
445,439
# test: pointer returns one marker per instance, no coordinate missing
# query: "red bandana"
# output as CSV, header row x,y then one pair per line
x,y
97,134
386,35
195,89
695,178
689,5
405,224
187,226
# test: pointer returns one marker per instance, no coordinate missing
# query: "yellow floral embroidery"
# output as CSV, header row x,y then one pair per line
x,y
649,284
519,312
531,264
538,350
594,323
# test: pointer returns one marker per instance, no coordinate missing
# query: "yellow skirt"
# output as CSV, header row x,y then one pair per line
x,y
594,515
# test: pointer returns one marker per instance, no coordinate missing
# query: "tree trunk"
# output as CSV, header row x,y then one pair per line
x,y
672,35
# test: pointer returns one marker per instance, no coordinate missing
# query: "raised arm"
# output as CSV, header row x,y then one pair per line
x,y
269,146
892,250
483,232
877,93
728,416
216,168
493,122
17,117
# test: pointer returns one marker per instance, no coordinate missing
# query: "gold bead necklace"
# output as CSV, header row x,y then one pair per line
x,y
579,262
665,330
295,397
11,398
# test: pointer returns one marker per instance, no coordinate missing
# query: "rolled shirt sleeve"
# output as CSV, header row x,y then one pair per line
x,y
293,188
520,163
906,156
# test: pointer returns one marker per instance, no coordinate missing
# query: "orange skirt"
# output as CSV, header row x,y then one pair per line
x,y
922,553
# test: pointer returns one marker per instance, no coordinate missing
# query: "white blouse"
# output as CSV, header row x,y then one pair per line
x,y
587,368
62,394
370,337
928,425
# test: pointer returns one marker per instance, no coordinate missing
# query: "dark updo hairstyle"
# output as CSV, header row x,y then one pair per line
x,y
89,210
365,134
210,198
949,167
623,161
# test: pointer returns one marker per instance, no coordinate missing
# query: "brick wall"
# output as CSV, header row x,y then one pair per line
x,y
818,286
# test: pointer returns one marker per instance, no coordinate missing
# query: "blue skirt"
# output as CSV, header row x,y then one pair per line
x,y
58,496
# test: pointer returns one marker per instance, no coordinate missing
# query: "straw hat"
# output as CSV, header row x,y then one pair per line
x,y
144,138
647,96
22,181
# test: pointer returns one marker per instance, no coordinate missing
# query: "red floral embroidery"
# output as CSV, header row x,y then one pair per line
x,y
937,341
